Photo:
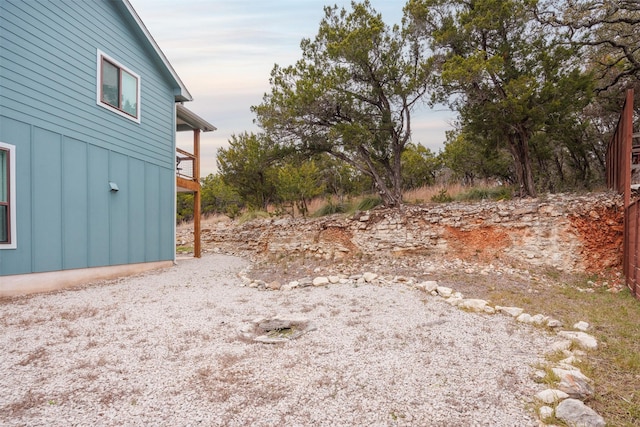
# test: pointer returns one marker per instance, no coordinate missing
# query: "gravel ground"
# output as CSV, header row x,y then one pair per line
x,y
163,349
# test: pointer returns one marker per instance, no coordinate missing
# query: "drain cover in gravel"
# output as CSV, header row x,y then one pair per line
x,y
275,330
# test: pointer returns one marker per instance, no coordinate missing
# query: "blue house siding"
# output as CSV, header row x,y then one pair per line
x,y
98,215
68,217
75,204
68,148
49,71
46,194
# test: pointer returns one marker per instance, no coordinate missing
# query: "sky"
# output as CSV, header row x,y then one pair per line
x,y
224,51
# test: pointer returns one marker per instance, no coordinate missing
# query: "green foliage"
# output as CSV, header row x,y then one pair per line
x,y
351,95
184,207
470,157
486,193
339,178
369,203
419,166
505,74
299,183
219,197
247,166
442,197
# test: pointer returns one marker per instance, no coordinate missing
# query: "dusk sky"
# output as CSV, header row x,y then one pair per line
x,y
225,50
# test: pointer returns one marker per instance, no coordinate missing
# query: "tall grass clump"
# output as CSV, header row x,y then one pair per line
x,y
331,208
369,203
251,215
485,193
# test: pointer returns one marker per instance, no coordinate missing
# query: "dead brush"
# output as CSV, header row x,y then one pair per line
x,y
17,409
39,355
78,313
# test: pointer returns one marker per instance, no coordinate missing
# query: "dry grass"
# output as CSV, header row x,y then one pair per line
x,y
425,194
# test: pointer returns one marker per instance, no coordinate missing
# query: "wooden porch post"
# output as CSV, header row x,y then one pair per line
x,y
197,251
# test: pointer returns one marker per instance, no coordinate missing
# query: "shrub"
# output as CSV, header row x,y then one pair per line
x,y
331,208
493,193
442,197
251,215
369,203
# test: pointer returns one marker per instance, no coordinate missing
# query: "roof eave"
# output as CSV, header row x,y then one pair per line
x,y
189,120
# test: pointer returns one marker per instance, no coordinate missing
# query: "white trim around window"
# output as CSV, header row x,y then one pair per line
x,y
8,197
126,87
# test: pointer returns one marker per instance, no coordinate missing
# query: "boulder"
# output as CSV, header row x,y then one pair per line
x,y
574,383
320,281
473,304
369,277
581,326
583,339
577,414
427,286
443,291
511,311
550,396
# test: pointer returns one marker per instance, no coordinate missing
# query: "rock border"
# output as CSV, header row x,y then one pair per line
x,y
565,402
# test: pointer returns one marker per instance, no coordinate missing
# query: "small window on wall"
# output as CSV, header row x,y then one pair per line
x,y
118,88
7,196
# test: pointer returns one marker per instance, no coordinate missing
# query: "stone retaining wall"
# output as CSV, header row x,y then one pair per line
x,y
567,232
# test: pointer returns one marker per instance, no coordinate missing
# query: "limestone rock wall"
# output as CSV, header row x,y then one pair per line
x,y
568,232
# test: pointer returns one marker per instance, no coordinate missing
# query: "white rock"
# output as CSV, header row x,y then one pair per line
x,y
574,383
511,311
428,285
369,277
545,412
551,395
443,291
576,413
581,326
538,319
473,304
524,318
334,279
583,339
320,281
291,285
454,301
554,323
489,310
561,345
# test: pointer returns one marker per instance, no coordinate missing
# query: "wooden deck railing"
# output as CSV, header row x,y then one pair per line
x,y
185,164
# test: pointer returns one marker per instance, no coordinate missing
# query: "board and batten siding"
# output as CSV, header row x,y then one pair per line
x,y
69,148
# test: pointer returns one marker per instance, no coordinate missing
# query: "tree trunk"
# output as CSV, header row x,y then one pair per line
x,y
390,196
519,148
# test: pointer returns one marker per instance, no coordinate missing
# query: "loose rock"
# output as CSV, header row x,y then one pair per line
x,y
576,414
574,383
583,339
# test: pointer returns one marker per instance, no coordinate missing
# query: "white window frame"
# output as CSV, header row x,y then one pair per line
x,y
99,57
13,236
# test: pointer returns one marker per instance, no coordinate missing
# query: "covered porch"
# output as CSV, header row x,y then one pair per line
x,y
188,165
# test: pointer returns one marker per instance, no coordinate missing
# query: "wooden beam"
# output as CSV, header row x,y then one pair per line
x,y
197,248
187,184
